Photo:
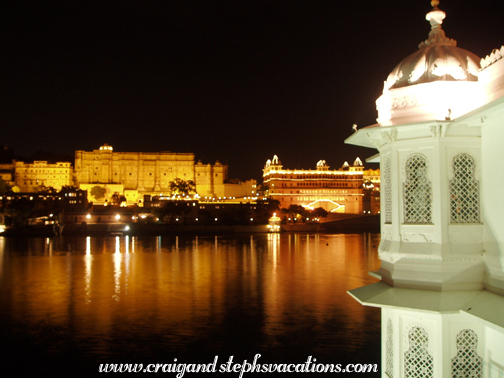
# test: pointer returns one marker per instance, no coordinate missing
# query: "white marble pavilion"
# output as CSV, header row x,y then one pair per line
x,y
440,136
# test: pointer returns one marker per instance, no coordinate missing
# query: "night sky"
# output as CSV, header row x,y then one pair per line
x,y
235,81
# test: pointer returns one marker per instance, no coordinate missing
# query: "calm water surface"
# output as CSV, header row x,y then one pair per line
x,y
69,304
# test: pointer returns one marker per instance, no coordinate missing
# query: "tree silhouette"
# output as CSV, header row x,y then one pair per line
x,y
98,191
182,188
319,212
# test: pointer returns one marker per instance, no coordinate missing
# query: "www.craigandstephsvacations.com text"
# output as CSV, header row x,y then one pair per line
x,y
310,366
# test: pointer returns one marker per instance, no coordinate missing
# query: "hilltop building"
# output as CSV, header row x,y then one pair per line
x,y
131,175
441,289
29,177
136,174
240,189
7,174
339,190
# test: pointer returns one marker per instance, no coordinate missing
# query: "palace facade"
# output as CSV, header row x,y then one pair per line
x,y
135,174
29,177
7,174
349,189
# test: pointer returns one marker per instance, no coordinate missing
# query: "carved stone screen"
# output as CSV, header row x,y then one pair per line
x,y
464,191
467,363
389,366
388,191
418,363
417,192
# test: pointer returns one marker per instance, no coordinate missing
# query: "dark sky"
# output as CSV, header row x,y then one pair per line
x,y
237,81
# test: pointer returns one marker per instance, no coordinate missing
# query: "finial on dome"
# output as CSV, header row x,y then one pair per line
x,y
437,34
435,16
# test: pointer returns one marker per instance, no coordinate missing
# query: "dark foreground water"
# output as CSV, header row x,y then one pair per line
x,y
68,305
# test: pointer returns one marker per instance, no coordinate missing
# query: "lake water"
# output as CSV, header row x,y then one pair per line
x,y
70,304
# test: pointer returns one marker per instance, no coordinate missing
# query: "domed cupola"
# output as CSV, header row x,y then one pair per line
x,y
438,58
438,61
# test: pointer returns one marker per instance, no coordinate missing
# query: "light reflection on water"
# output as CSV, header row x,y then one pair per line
x,y
153,299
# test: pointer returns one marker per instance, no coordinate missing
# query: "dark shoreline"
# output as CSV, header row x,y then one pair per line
x,y
357,224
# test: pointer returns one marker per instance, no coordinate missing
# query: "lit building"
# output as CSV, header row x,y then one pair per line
x,y
7,174
225,211
135,174
339,190
371,178
43,203
441,289
31,176
240,189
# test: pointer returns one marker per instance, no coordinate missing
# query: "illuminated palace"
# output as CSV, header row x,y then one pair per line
x,y
135,174
31,176
343,190
440,136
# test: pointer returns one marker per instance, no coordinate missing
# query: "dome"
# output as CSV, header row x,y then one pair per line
x,y
438,59
447,78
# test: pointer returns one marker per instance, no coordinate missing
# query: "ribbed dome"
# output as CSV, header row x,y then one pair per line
x,y
438,59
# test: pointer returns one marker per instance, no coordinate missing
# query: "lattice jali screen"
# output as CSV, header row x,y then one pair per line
x,y
389,366
464,191
388,191
418,363
467,363
417,191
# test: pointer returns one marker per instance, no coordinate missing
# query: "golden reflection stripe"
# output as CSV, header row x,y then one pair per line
x,y
2,248
87,276
117,271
